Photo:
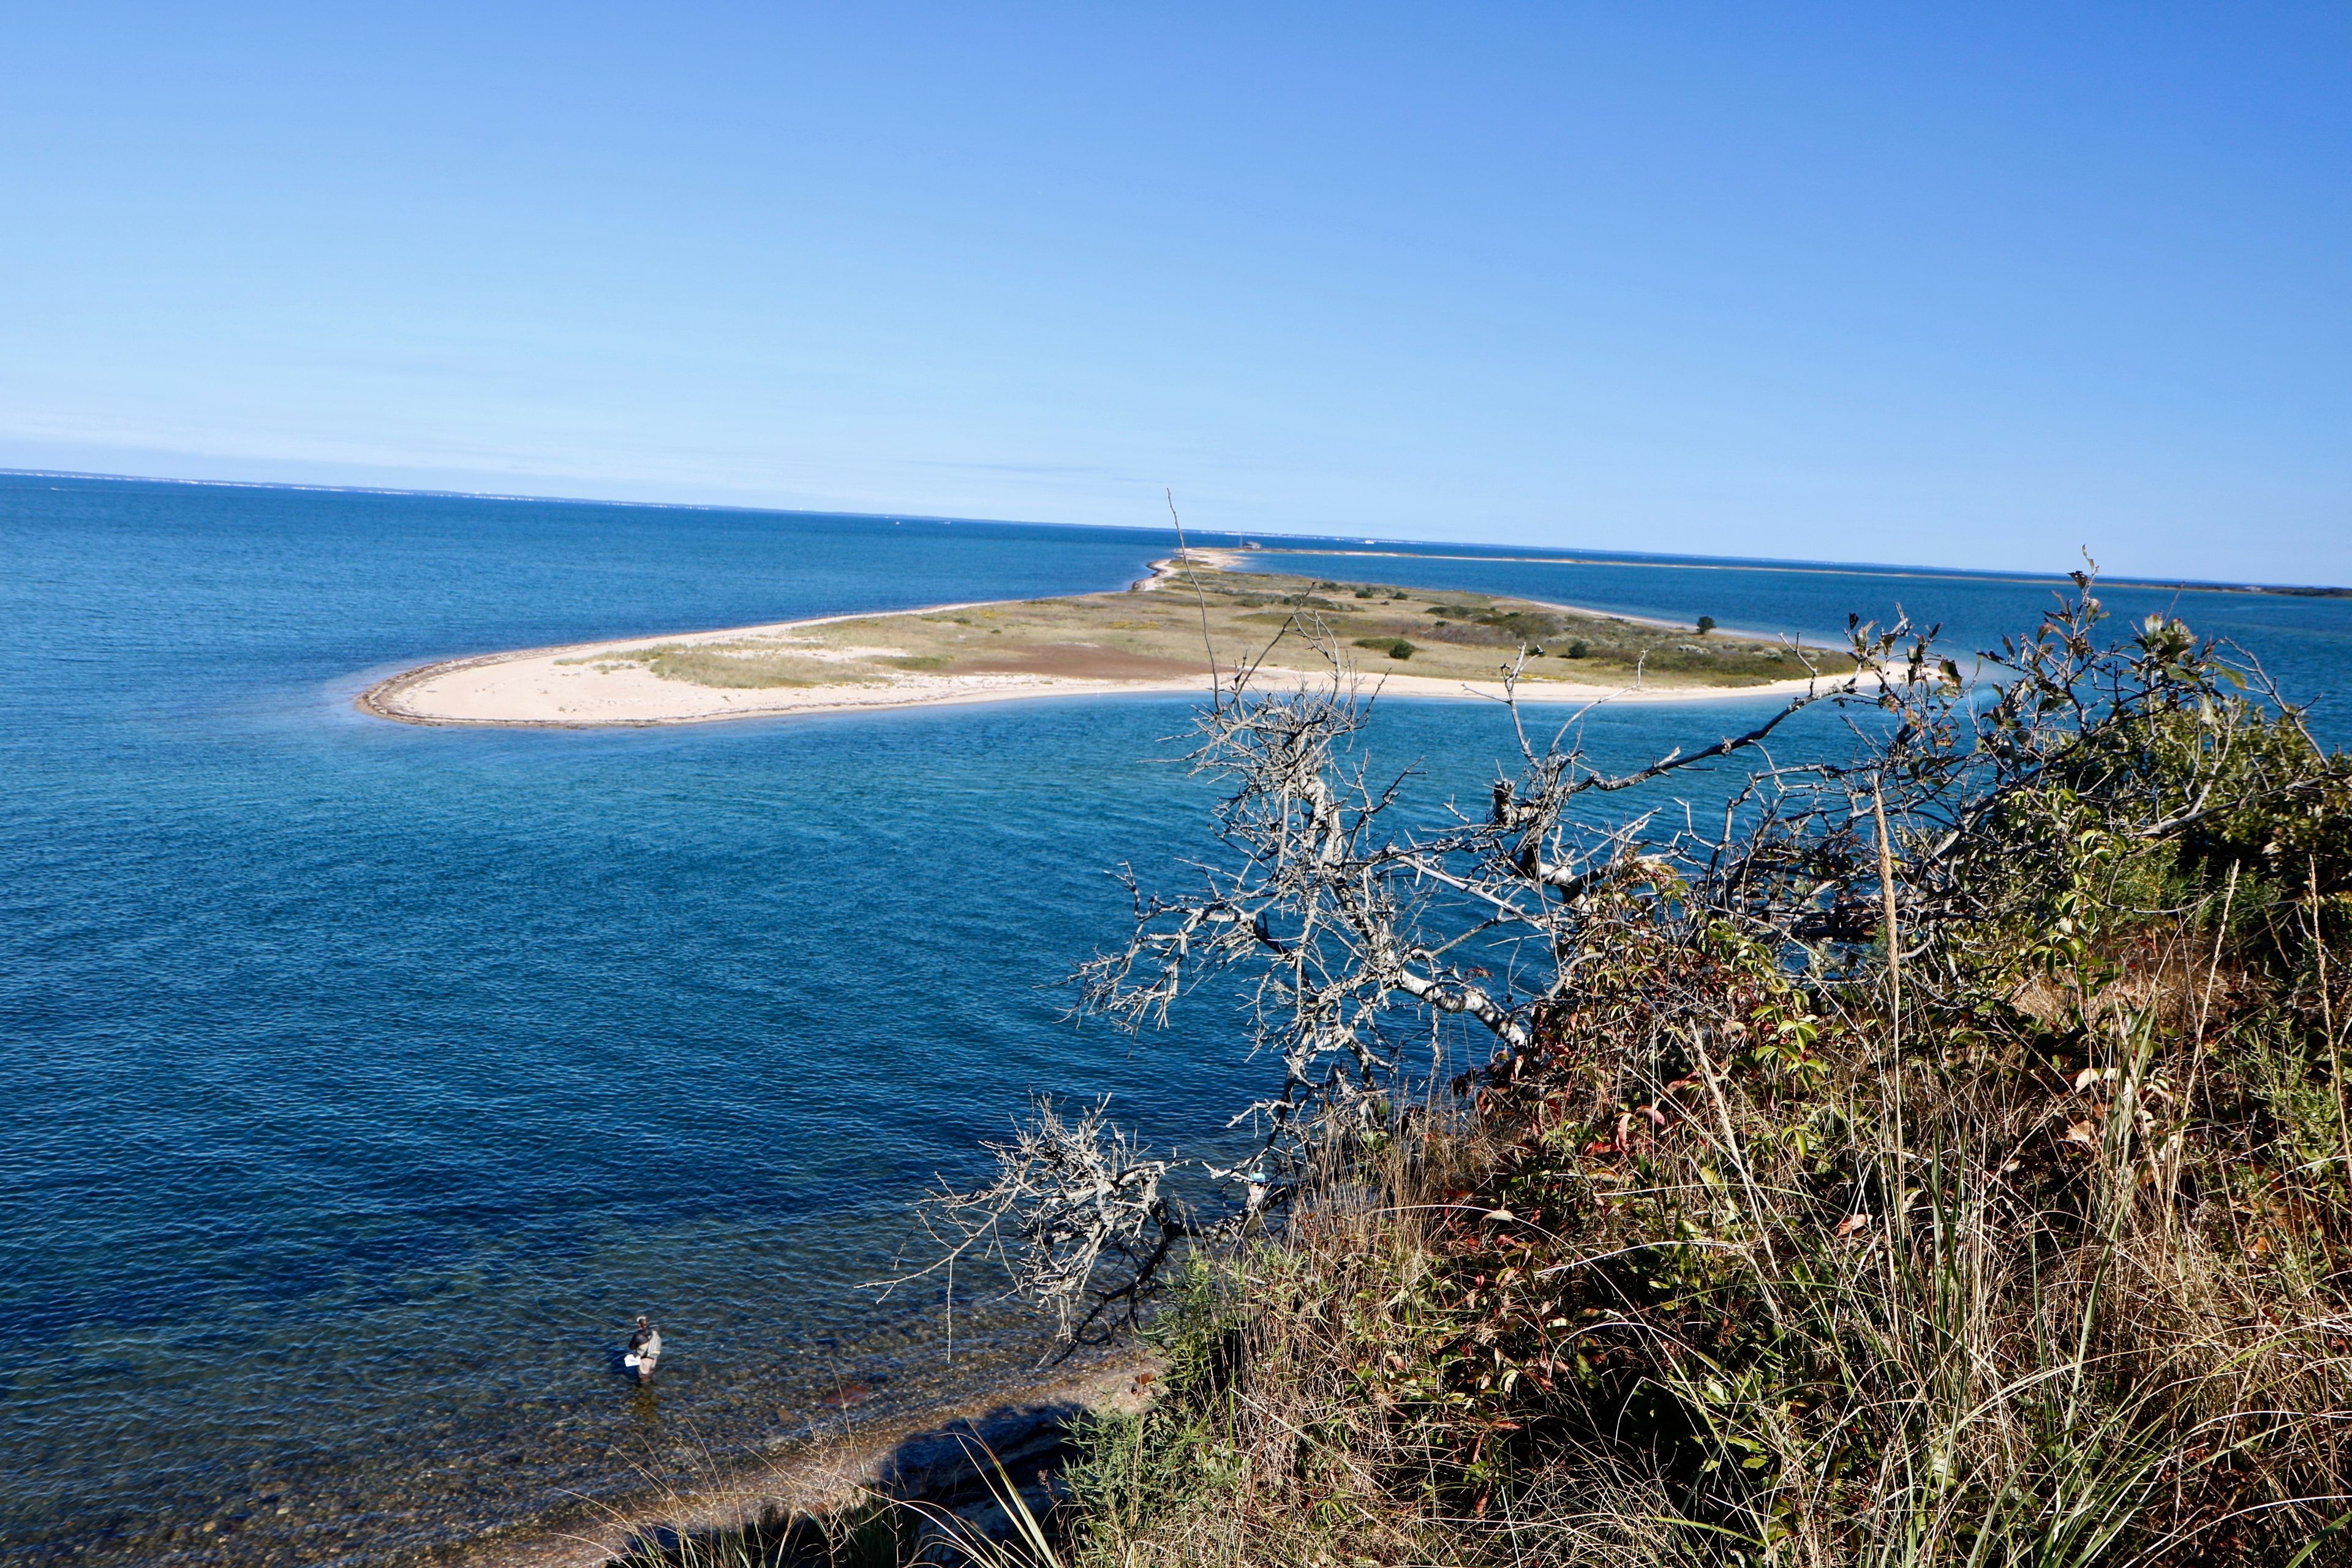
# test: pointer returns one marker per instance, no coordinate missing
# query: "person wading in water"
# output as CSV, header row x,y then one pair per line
x,y
644,1351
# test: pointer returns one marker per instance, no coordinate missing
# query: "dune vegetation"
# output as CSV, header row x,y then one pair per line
x,y
1159,633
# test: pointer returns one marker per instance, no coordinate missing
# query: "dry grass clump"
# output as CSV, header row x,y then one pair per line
x,y
2010,1227
1720,1273
872,1533
1273,1443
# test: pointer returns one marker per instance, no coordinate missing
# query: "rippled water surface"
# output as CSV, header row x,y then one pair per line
x,y
368,1077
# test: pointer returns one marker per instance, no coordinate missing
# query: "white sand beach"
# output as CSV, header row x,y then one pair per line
x,y
537,687
612,683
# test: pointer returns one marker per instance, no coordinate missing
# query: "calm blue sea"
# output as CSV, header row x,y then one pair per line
x,y
368,1079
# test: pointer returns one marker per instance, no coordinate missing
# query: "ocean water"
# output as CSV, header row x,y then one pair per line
x,y
368,1077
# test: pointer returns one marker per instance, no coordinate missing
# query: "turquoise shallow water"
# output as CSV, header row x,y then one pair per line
x,y
368,1077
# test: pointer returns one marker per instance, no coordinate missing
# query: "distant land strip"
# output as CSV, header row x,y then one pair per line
x,y
1156,635
1816,569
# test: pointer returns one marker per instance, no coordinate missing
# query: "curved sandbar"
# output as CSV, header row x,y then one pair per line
x,y
1147,639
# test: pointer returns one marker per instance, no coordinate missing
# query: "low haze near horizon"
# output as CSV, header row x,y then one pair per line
x,y
1963,288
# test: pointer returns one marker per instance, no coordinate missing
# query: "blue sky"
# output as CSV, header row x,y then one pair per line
x,y
1968,286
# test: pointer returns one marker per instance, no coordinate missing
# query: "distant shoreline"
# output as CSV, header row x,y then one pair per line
x,y
1808,568
609,683
1295,543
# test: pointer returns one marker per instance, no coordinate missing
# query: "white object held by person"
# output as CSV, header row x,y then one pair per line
x,y
644,1351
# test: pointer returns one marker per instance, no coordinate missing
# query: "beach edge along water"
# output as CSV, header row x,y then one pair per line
x,y
936,1456
438,694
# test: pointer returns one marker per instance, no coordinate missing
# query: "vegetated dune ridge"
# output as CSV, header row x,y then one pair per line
x,y
1151,638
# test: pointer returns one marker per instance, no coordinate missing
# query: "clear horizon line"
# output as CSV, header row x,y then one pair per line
x,y
1563,556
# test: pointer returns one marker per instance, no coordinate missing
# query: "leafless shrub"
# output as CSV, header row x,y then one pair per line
x,y
1942,1151
1077,1218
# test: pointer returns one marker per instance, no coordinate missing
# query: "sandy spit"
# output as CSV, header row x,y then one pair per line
x,y
563,688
